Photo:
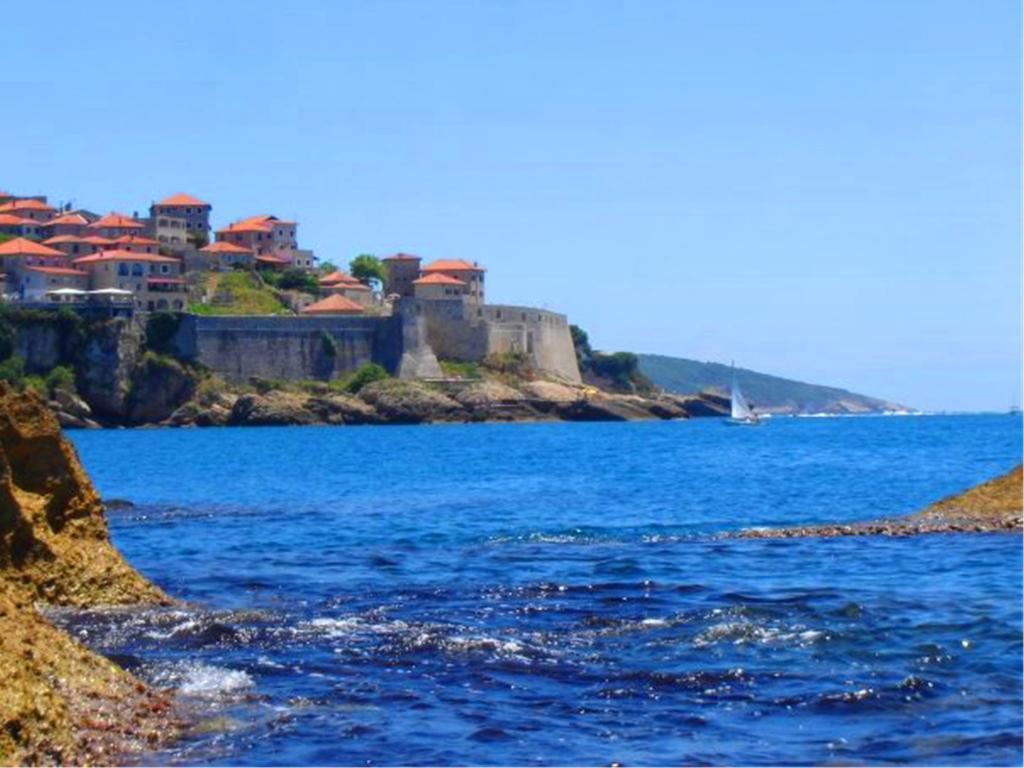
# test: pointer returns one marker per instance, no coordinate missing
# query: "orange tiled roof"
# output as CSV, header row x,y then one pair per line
x,y
125,256
67,218
135,240
451,265
97,240
65,239
11,220
223,247
438,278
21,246
337,276
58,271
353,286
25,205
251,224
333,305
401,257
182,199
272,259
116,221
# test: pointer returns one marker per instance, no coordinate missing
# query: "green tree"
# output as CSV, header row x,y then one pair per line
x,y
298,280
581,343
366,267
327,267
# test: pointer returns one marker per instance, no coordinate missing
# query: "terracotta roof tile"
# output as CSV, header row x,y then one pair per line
x,y
135,240
125,256
333,305
116,221
12,220
21,246
222,246
67,271
437,278
337,276
67,218
183,199
452,265
25,205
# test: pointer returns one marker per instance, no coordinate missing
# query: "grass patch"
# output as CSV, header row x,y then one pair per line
x,y
453,369
238,293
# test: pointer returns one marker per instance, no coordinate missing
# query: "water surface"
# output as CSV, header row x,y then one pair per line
x,y
555,594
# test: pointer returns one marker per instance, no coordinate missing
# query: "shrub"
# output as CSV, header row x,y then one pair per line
x,y
160,331
359,378
12,370
61,378
36,384
330,347
459,370
298,280
511,363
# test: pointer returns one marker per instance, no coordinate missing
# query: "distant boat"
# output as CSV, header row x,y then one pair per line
x,y
741,415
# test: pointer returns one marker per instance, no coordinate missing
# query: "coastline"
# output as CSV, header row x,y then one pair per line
x,y
994,506
394,401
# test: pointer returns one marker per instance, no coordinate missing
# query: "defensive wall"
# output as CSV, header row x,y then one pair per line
x,y
407,343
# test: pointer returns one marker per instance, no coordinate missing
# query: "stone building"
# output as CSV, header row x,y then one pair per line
x,y
224,255
34,208
74,247
33,283
438,286
155,281
402,269
264,236
115,225
19,226
472,275
74,224
178,219
136,244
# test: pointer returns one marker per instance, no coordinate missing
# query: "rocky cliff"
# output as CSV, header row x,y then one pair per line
x,y
61,702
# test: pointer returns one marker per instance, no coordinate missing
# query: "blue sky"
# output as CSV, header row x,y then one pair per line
x,y
824,190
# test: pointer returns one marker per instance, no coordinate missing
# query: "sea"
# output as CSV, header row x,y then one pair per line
x,y
563,594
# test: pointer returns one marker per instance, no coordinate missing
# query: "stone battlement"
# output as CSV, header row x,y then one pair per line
x,y
408,343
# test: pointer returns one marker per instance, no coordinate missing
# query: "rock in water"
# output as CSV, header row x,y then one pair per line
x,y
60,702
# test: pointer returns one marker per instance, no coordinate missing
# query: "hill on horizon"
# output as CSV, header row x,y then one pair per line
x,y
772,394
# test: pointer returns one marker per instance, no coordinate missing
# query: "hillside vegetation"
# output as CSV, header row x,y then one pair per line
x,y
767,393
238,293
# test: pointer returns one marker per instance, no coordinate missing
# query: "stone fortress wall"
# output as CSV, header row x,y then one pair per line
x,y
408,343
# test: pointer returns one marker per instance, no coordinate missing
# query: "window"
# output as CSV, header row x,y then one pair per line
x,y
136,270
122,269
165,269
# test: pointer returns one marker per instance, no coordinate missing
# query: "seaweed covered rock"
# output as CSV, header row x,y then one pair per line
x,y
53,534
60,702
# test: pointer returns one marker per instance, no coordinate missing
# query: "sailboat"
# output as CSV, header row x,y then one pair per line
x,y
741,415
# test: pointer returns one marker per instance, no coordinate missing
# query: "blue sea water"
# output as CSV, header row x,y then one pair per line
x,y
556,593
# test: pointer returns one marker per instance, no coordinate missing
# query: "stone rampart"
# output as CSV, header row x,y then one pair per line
x,y
407,343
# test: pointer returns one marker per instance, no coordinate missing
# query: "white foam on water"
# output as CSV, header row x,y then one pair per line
x,y
202,680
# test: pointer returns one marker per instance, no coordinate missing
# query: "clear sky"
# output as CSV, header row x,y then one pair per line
x,y
824,190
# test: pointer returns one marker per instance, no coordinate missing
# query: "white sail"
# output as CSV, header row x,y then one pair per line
x,y
741,411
